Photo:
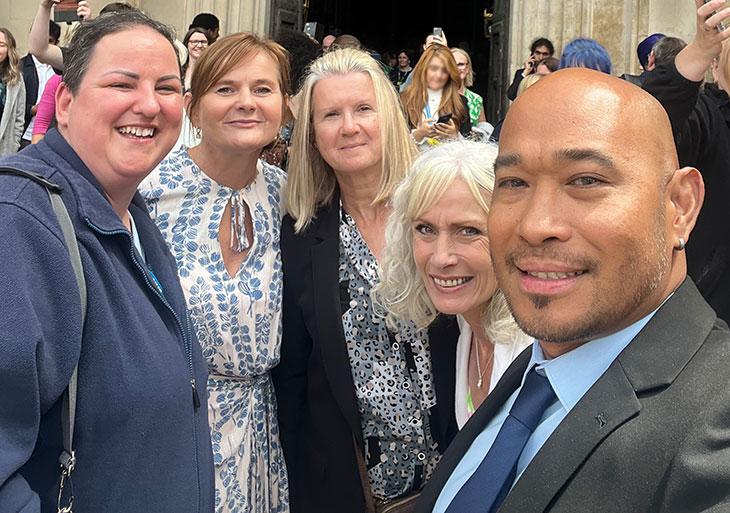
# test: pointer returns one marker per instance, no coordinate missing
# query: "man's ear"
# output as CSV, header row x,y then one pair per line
x,y
651,63
685,194
64,101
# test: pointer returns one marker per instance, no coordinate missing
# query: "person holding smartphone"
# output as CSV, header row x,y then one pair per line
x,y
540,49
434,108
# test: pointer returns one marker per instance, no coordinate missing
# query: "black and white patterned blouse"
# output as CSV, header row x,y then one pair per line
x,y
392,375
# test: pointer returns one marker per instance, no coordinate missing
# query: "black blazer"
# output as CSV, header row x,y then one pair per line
x,y
651,435
30,77
319,419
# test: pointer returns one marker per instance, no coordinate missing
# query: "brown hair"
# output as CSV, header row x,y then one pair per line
x,y
416,95
11,71
228,53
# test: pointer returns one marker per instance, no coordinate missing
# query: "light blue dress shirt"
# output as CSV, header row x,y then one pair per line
x,y
571,375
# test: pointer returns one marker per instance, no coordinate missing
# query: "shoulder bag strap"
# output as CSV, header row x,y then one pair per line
x,y
68,415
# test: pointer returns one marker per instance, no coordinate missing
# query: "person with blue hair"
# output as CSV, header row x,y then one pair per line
x,y
585,53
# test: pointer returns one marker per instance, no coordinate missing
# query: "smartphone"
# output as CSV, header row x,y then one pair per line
x,y
438,31
720,27
66,11
445,118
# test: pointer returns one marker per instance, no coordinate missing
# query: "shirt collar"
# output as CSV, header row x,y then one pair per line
x,y
572,374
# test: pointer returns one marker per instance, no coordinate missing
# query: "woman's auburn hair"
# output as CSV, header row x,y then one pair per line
x,y
311,182
11,72
401,294
415,96
227,54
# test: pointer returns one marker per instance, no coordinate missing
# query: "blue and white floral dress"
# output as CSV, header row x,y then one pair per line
x,y
238,321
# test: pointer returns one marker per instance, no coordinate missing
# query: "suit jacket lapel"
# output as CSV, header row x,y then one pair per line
x,y
608,404
326,297
509,382
652,360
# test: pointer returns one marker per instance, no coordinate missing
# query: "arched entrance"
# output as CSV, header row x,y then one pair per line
x,y
390,25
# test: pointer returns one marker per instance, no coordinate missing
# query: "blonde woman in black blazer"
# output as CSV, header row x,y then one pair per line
x,y
351,147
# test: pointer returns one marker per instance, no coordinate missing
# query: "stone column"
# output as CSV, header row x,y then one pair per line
x,y
618,25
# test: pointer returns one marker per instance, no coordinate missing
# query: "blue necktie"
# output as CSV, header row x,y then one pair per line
x,y
487,487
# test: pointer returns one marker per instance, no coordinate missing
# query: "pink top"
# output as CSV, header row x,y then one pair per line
x,y
47,106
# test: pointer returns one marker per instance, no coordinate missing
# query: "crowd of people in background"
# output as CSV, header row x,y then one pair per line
x,y
301,268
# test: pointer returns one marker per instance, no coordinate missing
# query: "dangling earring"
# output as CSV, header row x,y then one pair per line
x,y
198,132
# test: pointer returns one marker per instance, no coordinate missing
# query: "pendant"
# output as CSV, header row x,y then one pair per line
x,y
479,383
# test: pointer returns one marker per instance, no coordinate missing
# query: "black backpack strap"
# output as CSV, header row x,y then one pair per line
x,y
68,413
42,180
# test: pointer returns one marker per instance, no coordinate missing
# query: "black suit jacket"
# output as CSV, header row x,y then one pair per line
x,y
30,77
319,419
651,435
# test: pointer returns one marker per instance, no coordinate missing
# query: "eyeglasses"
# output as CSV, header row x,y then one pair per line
x,y
198,43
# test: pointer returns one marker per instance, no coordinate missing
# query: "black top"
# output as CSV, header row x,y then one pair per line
x,y
701,127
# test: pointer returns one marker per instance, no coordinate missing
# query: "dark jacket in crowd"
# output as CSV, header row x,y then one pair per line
x,y
701,126
30,77
515,85
141,441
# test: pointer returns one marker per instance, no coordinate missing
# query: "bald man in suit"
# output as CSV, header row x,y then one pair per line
x,y
587,233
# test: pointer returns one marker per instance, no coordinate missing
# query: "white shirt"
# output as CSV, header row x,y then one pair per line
x,y
431,110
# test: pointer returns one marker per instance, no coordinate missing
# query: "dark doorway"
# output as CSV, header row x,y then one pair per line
x,y
390,25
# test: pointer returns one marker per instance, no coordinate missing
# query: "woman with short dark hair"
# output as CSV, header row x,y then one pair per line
x,y
140,434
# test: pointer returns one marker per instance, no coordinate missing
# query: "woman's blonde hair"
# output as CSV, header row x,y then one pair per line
x,y
527,82
469,79
311,180
401,294
11,72
416,95
227,54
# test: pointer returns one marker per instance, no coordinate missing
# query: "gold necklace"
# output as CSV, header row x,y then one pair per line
x,y
479,368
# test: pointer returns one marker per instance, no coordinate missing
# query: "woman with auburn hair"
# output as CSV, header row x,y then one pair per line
x,y
12,95
358,403
434,92
436,260
219,209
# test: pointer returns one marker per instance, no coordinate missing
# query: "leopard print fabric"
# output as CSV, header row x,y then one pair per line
x,y
392,376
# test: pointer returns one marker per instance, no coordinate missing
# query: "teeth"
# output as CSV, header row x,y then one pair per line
x,y
450,283
137,131
553,275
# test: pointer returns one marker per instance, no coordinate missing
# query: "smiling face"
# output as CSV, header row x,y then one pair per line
x,y
403,60
126,114
243,110
462,64
345,121
196,44
436,73
578,224
451,252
